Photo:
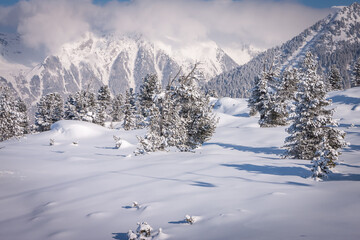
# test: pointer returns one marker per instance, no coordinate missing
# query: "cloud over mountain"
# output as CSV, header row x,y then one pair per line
x,y
260,23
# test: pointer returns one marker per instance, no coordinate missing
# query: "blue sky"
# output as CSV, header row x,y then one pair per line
x,y
310,3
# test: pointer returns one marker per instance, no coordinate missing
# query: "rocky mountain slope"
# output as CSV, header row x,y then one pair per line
x,y
118,61
333,40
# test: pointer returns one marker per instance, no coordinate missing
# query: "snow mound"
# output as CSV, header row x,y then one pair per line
x,y
77,129
231,106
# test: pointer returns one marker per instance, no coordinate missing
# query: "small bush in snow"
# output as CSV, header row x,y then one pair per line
x,y
52,142
144,229
118,141
132,235
135,205
189,219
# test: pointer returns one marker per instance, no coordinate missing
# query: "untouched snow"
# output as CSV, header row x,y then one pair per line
x,y
236,186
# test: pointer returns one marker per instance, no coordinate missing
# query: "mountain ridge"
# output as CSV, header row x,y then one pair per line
x,y
333,40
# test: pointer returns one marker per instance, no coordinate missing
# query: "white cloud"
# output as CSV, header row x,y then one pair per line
x,y
261,23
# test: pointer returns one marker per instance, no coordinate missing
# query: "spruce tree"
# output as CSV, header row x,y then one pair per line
x,y
313,134
13,116
254,99
129,111
267,101
117,105
334,79
356,79
50,109
195,111
23,118
289,82
102,105
148,90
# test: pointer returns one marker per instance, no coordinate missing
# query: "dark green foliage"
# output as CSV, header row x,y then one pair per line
x,y
50,109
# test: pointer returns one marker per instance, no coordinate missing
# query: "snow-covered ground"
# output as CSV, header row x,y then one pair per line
x,y
236,186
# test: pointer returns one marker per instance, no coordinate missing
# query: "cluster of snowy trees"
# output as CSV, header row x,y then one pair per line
x,y
13,115
299,96
178,116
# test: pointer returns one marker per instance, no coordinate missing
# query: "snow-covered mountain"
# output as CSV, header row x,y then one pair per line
x,y
333,40
116,60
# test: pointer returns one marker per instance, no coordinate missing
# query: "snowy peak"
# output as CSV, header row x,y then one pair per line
x,y
120,61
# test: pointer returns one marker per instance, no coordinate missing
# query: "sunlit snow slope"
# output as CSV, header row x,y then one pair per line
x,y
236,186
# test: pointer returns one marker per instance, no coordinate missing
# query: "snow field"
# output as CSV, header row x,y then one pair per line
x,y
236,186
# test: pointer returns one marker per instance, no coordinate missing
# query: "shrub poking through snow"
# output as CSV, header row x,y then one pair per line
x,y
131,235
144,229
52,142
135,205
118,141
189,219
145,232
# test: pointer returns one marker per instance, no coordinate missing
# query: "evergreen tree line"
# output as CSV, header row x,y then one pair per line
x,y
298,96
177,116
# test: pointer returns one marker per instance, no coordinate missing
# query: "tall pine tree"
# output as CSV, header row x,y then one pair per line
x,y
356,79
313,134
13,115
129,111
334,79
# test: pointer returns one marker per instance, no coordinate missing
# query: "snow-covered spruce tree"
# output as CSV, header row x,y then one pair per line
x,y
23,118
195,111
334,79
149,88
356,79
116,111
50,109
165,128
102,105
129,111
312,122
254,98
13,116
289,82
81,106
267,101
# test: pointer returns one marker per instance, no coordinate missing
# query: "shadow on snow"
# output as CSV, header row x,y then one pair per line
x,y
272,170
120,236
265,150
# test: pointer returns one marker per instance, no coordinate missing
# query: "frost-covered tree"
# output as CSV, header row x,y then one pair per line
x,y
334,79
102,105
50,109
81,106
13,116
129,111
179,117
313,134
195,111
166,128
23,118
267,101
149,88
289,82
254,99
356,79
117,106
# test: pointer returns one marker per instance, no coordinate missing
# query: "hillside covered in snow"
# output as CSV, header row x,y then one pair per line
x,y
236,186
